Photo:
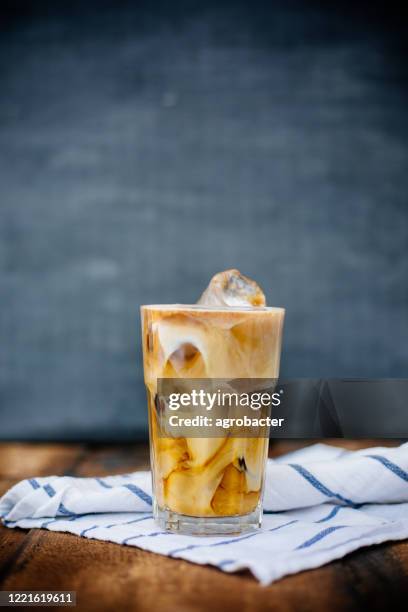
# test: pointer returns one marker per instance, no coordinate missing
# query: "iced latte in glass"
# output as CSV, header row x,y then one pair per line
x,y
209,485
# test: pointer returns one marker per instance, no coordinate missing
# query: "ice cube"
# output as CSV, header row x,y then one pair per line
x,y
231,288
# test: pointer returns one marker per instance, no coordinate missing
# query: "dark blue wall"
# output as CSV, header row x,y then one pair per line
x,y
144,147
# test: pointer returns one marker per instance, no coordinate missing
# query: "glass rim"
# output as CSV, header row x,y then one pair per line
x,y
202,308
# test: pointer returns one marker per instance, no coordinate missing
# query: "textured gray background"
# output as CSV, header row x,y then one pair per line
x,y
144,147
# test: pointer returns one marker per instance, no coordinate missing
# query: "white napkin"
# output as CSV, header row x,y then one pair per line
x,y
320,503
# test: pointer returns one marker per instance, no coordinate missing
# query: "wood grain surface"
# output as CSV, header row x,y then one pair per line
x,y
107,576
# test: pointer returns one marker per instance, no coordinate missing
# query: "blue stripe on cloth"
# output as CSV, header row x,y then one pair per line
x,y
284,525
331,514
44,525
146,535
132,487
65,512
193,546
141,494
319,536
83,532
49,490
59,519
396,469
103,483
34,483
377,530
230,541
138,520
319,485
225,562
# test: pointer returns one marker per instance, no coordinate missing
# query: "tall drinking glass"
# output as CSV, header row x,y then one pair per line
x,y
208,486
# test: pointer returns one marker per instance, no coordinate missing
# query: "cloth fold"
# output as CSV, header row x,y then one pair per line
x,y
320,503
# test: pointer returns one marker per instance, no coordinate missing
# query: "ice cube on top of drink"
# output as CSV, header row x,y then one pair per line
x,y
231,288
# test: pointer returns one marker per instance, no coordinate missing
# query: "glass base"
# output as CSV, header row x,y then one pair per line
x,y
207,526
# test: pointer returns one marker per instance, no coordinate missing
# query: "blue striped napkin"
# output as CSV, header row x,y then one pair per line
x,y
321,503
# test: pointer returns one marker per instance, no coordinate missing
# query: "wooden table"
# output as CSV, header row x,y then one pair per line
x,y
107,576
